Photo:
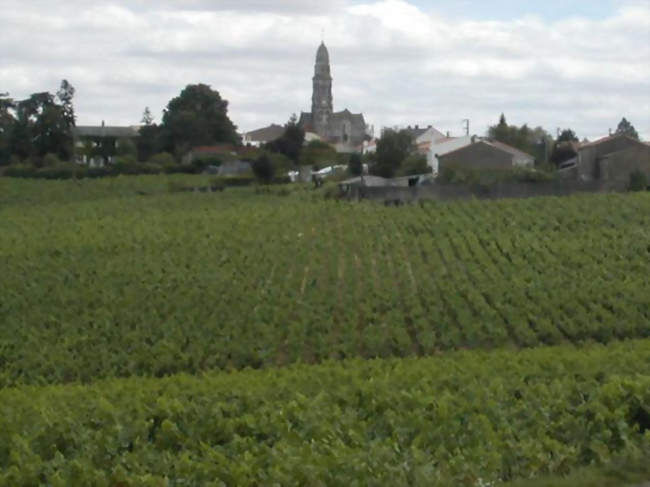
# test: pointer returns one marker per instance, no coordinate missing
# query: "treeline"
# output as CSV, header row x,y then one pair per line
x,y
36,127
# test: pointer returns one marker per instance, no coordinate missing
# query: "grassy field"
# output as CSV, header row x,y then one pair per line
x,y
117,296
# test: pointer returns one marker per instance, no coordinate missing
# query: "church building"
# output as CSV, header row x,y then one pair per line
x,y
345,130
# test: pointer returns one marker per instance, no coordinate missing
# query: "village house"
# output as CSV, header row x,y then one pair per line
x,y
443,146
97,145
259,137
485,154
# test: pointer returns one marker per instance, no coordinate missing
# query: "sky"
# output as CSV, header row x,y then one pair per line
x,y
557,64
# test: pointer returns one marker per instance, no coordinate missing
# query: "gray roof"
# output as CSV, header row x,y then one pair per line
x,y
105,131
508,148
347,115
266,134
416,131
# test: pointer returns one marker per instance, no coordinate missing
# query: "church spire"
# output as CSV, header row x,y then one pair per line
x,y
321,101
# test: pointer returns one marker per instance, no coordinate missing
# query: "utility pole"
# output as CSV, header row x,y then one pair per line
x,y
466,124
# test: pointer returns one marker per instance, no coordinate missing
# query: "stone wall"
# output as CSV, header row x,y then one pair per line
x,y
445,192
618,166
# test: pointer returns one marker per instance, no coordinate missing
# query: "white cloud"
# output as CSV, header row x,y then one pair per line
x,y
391,60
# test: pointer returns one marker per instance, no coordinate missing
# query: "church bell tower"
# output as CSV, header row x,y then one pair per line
x,y
321,100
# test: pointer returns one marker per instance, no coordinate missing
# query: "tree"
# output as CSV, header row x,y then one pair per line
x,y
263,169
147,117
65,94
42,127
565,147
317,154
567,135
355,165
414,164
291,142
626,128
532,141
198,116
392,148
149,141
638,181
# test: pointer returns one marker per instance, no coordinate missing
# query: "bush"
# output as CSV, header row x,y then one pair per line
x,y
355,166
263,169
50,160
163,159
127,165
638,181
225,181
126,147
414,164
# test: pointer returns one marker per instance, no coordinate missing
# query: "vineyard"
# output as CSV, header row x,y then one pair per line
x,y
472,417
128,314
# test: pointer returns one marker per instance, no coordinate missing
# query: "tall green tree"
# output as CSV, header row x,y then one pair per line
x,y
392,148
65,95
291,142
198,116
44,125
565,147
149,141
147,117
532,141
626,128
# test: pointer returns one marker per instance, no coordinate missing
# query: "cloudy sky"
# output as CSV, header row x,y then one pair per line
x,y
582,64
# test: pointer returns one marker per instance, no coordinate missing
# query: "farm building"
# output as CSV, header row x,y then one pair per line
x,y
612,159
485,154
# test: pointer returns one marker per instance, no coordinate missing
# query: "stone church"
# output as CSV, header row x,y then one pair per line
x,y
345,130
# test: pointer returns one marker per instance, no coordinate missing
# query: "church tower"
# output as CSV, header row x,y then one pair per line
x,y
321,100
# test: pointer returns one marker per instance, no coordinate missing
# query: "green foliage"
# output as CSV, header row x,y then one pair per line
x,y
263,169
126,148
638,181
626,128
567,135
281,163
531,141
149,141
51,160
461,419
163,159
186,283
414,164
355,165
290,143
197,117
317,154
392,148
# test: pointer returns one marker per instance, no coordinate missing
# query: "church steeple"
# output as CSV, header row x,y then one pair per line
x,y
321,100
